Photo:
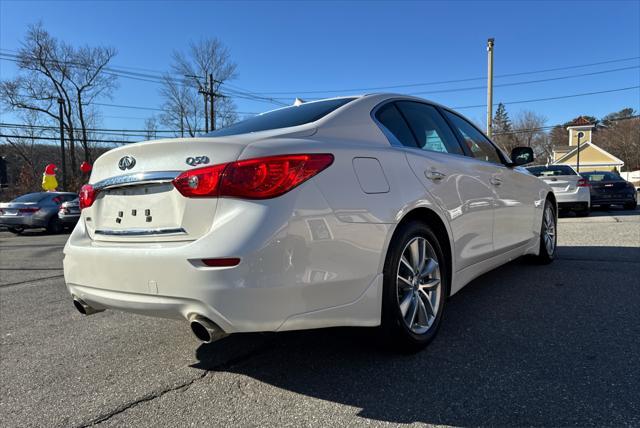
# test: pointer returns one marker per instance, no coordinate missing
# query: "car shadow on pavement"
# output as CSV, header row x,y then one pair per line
x,y
522,345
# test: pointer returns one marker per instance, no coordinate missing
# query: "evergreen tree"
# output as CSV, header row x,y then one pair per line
x,y
503,129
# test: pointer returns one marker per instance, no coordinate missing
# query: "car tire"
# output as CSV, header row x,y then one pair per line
x,y
548,234
631,205
55,226
16,230
412,306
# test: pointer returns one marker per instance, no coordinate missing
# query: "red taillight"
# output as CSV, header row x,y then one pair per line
x,y
201,182
583,182
28,210
87,196
260,178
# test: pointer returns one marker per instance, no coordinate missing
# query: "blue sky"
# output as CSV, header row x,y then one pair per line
x,y
321,46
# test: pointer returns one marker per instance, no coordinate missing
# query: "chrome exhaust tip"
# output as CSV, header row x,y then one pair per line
x,y
205,330
84,308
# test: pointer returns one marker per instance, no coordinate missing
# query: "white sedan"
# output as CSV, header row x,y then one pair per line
x,y
353,211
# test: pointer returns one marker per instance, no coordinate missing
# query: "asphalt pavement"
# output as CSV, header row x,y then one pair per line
x,y
553,345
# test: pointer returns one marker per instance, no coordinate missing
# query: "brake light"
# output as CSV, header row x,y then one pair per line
x,y
28,210
87,196
260,178
201,182
583,182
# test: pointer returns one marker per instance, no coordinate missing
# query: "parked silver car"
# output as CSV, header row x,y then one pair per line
x,y
69,212
571,190
34,210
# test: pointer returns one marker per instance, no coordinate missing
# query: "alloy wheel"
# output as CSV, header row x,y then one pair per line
x,y
549,233
419,290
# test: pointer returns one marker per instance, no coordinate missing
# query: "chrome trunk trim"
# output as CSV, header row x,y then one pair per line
x,y
136,179
141,232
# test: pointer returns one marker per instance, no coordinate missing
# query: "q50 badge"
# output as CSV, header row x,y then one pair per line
x,y
197,160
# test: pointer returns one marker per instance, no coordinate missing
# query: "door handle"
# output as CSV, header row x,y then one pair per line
x,y
496,181
434,175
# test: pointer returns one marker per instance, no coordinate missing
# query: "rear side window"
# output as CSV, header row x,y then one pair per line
x,y
429,127
283,118
389,116
480,147
602,176
31,197
551,170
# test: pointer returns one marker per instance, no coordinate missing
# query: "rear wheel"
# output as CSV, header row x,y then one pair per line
x,y
55,226
548,236
16,230
631,205
416,285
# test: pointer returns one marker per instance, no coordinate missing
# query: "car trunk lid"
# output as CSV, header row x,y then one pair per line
x,y
562,183
136,200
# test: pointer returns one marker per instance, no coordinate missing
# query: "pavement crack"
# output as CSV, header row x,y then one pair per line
x,y
232,362
144,399
30,280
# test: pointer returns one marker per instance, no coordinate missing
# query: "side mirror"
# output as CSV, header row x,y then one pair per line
x,y
521,156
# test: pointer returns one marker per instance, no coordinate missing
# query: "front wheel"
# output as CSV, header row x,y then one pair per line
x,y
416,285
631,205
548,236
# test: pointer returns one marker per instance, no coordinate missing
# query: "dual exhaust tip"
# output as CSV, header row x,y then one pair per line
x,y
84,308
203,328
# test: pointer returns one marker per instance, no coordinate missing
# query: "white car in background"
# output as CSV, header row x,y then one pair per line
x,y
572,191
353,211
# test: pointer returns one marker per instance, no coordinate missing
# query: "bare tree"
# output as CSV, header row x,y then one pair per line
x,y
151,127
52,70
621,138
185,106
181,109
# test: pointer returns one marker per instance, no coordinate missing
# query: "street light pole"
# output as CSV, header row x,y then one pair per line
x,y
580,135
490,87
63,161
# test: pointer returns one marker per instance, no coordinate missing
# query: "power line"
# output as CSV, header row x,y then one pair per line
x,y
553,98
441,82
544,128
528,81
145,77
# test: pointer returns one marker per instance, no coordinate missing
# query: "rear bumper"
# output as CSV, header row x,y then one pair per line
x,y
574,206
69,218
614,199
23,221
580,195
288,277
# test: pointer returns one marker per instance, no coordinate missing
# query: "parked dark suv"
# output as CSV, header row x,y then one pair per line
x,y
608,188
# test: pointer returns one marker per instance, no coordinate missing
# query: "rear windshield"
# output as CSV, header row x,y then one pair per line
x,y
551,170
31,197
601,176
283,118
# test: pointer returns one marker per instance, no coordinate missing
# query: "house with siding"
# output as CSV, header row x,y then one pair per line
x,y
591,157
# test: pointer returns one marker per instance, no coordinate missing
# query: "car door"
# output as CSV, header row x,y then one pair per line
x,y
459,185
513,189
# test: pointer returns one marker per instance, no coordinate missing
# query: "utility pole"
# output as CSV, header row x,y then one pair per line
x,y
490,87
206,115
62,155
211,99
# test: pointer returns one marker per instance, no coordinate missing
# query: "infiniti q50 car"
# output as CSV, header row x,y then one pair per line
x,y
354,211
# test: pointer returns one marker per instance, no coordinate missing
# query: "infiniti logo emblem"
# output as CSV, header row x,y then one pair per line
x,y
127,162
